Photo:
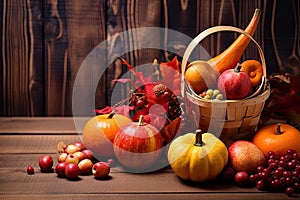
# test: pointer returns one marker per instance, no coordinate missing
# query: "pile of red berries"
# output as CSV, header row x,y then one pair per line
x,y
151,94
281,174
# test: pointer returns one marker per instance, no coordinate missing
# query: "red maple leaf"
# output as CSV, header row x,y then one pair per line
x,y
123,110
140,78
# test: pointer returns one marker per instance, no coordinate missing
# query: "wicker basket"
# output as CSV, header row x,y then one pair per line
x,y
230,120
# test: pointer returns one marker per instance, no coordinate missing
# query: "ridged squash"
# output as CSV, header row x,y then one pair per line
x,y
197,157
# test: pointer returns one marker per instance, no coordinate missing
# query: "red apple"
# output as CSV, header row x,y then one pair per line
x,y
245,156
62,157
241,179
71,148
72,171
234,83
101,170
85,166
46,163
88,154
60,169
80,145
30,170
71,158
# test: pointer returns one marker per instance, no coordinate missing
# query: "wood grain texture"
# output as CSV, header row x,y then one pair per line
x,y
86,28
36,61
164,183
41,125
15,54
167,196
19,150
55,57
45,42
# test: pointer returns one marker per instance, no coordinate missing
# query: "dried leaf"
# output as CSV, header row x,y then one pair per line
x,y
61,147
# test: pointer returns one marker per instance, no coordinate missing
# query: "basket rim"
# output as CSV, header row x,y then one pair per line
x,y
264,95
199,38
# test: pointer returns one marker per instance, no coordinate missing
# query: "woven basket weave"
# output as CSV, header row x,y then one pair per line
x,y
230,120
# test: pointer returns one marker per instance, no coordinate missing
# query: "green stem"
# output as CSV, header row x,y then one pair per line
x,y
199,142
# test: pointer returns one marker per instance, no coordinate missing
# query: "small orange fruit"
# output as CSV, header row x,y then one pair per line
x,y
200,75
99,133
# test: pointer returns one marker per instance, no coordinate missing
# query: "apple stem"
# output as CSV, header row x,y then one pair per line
x,y
141,120
279,132
111,115
238,67
199,142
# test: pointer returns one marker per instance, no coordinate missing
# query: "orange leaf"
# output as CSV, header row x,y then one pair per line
x,y
171,76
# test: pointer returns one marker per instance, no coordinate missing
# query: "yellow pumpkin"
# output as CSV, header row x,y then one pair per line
x,y
197,157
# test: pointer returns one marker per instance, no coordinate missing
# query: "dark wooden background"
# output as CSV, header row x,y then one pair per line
x,y
44,42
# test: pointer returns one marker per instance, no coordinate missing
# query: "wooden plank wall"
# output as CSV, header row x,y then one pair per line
x,y
44,43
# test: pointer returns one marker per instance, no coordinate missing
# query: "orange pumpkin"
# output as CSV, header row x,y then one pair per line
x,y
278,138
254,70
99,132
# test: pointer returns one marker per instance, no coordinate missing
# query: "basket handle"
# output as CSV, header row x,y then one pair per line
x,y
204,34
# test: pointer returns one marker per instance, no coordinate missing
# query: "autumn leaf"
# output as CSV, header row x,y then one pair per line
x,y
122,110
171,76
140,78
105,110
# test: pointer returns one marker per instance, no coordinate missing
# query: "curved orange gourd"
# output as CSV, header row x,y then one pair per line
x,y
202,75
229,58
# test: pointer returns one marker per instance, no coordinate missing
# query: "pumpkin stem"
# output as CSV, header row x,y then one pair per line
x,y
111,115
141,120
199,142
238,67
279,132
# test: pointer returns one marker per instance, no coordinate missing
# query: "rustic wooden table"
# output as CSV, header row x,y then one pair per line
x,y
23,140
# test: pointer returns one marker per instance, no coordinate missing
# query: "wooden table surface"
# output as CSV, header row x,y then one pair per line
x,y
23,140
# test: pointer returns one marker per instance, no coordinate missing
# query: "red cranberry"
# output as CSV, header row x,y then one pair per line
x,y
30,170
